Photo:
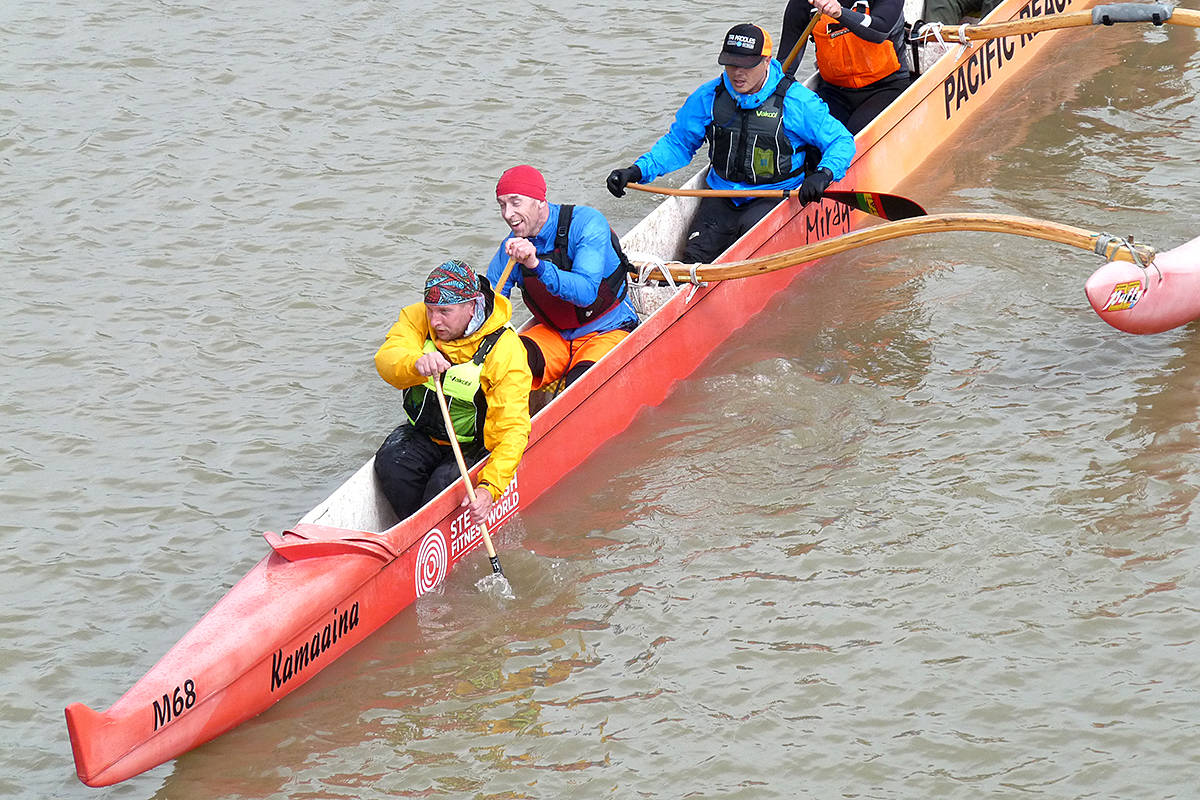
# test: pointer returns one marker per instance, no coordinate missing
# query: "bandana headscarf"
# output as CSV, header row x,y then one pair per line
x,y
451,283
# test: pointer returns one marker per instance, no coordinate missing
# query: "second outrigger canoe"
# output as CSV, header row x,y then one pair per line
x,y
349,565
1150,297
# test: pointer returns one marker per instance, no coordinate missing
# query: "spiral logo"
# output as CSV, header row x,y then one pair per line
x,y
431,562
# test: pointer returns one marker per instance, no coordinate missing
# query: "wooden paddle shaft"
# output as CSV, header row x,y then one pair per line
x,y
798,47
504,275
462,464
780,193
458,456
1073,19
1110,248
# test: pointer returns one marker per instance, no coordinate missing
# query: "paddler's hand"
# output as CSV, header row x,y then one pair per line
x,y
618,179
814,185
830,8
523,252
432,364
482,505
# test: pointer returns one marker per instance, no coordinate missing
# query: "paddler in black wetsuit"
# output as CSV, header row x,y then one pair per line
x,y
862,57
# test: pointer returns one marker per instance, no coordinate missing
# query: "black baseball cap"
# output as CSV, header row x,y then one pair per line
x,y
745,46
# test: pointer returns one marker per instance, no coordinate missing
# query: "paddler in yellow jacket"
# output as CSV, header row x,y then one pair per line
x,y
461,336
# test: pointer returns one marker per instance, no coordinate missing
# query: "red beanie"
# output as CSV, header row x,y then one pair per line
x,y
524,180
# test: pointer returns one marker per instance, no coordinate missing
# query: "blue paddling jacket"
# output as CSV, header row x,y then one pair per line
x,y
802,120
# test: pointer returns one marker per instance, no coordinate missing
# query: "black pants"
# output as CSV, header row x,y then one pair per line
x,y
719,223
412,469
854,108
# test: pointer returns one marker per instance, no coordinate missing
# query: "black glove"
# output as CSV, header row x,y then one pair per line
x,y
815,184
619,177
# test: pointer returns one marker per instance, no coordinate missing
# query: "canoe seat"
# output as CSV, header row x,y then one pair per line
x,y
316,541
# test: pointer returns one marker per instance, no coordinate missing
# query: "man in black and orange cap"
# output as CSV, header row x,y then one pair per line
x,y
461,337
759,125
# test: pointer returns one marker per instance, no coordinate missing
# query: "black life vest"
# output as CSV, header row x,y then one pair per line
x,y
562,314
748,145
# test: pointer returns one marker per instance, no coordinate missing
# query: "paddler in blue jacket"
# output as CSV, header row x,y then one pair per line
x,y
760,126
571,273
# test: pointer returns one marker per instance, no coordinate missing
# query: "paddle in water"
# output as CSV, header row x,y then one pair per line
x,y
885,206
496,582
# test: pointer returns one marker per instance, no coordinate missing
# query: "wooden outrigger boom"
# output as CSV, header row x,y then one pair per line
x,y
1106,15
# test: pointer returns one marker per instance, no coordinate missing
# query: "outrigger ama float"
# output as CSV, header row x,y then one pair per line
x,y
349,566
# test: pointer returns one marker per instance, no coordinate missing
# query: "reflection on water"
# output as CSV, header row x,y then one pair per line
x,y
923,528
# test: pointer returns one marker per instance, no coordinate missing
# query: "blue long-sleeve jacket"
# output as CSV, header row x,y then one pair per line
x,y
806,120
589,246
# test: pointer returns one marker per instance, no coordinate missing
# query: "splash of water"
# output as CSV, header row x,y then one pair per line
x,y
495,584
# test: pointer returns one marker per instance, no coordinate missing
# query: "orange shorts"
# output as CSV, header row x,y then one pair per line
x,y
561,356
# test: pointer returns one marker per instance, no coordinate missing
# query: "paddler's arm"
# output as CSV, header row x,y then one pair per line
x,y
589,244
505,380
807,120
795,20
396,359
874,28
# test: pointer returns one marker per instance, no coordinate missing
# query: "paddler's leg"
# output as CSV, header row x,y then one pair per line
x,y
587,350
718,223
987,7
947,12
712,230
951,12
403,465
447,472
866,103
839,107
548,354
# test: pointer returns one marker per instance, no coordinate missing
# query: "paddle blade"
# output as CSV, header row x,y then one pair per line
x,y
496,584
884,206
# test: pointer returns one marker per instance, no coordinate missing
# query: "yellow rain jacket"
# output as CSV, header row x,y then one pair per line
x,y
505,380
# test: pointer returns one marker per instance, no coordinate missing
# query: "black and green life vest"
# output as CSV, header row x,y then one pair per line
x,y
749,145
464,396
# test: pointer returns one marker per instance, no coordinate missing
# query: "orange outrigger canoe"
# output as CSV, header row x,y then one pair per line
x,y
349,566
